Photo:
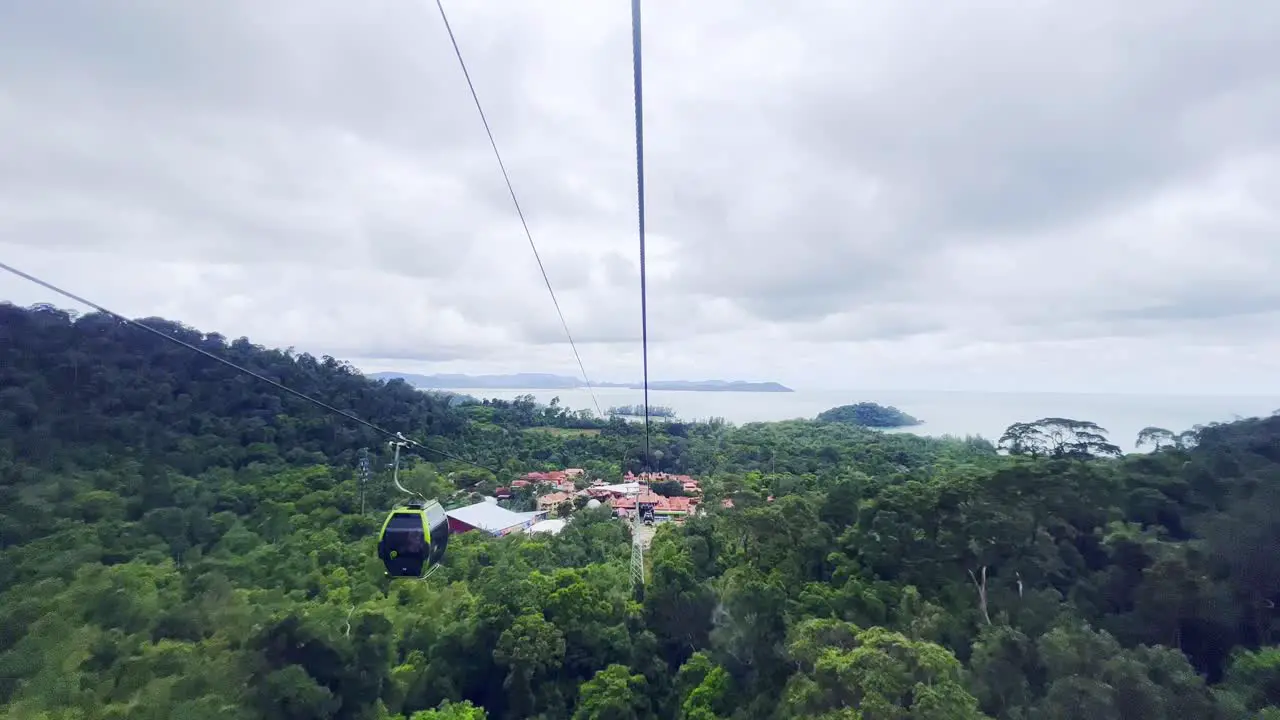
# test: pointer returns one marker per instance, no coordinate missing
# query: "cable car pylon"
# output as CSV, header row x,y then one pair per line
x,y
637,551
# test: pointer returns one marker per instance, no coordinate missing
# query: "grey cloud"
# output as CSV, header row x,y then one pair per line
x,y
883,323
1204,307
434,353
1005,124
920,177
250,196
1018,119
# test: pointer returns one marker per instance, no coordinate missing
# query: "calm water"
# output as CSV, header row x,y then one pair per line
x,y
944,413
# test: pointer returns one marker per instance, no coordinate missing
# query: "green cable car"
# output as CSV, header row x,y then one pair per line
x,y
413,539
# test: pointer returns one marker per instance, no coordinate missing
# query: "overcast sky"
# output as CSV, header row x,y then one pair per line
x,y
1076,195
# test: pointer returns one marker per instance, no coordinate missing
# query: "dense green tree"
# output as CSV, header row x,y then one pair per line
x,y
613,694
452,711
180,540
873,674
1060,438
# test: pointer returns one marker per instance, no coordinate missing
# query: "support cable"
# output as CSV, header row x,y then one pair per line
x,y
644,305
520,212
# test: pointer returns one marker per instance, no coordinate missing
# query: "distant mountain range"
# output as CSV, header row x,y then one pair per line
x,y
543,381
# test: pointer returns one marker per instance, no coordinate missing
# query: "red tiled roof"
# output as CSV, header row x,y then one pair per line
x,y
675,504
553,476
554,498
660,504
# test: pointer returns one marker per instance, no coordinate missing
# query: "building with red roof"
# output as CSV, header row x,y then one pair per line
x,y
552,501
664,508
687,482
561,480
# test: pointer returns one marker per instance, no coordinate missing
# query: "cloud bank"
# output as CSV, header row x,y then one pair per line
x,y
999,195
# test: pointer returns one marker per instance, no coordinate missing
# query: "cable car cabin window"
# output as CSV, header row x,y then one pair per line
x,y
405,534
405,545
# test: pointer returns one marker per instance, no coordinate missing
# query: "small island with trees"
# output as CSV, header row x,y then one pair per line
x,y
660,411
870,415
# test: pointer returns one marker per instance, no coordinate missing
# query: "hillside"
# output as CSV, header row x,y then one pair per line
x,y
180,541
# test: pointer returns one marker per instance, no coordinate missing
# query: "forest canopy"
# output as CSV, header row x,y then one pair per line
x,y
178,540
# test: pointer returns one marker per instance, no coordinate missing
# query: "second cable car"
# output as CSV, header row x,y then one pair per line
x,y
413,539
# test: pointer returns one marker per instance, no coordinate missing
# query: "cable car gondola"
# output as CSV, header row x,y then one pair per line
x,y
413,539
414,535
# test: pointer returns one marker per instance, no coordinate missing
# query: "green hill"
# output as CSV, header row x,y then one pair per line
x,y
181,541
868,414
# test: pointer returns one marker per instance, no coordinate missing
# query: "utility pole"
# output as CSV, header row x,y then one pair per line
x,y
364,475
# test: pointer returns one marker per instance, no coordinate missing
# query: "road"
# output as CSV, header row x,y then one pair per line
x,y
646,535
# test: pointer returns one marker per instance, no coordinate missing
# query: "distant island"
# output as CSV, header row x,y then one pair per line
x,y
659,411
544,381
869,415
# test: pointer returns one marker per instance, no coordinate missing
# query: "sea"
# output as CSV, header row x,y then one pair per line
x,y
958,413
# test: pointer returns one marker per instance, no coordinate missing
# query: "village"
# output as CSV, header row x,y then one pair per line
x,y
560,493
